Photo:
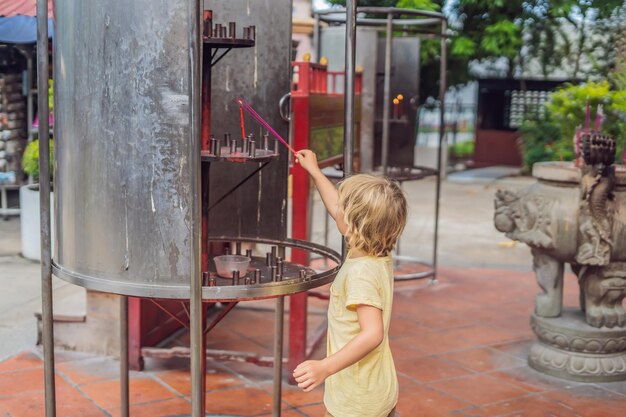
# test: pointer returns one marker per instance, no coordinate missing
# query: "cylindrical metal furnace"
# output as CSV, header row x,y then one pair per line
x,y
124,159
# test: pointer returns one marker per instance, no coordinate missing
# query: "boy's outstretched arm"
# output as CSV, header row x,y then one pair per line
x,y
310,374
308,160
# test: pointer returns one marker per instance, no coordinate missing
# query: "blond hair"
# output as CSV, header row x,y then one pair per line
x,y
374,211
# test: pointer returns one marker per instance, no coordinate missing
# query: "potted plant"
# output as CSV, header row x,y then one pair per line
x,y
29,204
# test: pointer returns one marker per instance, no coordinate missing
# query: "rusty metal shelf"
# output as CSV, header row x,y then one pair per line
x,y
292,282
229,43
239,157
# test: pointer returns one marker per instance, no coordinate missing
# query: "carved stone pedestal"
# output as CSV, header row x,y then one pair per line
x,y
570,348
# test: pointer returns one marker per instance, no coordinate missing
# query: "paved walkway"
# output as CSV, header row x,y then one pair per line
x,y
460,348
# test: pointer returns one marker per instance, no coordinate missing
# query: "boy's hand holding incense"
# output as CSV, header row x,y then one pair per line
x,y
308,161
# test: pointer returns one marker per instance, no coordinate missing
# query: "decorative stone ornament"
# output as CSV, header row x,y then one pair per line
x,y
576,216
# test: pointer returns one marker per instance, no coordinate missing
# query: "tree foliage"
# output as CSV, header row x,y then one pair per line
x,y
30,159
551,137
566,35
535,38
404,4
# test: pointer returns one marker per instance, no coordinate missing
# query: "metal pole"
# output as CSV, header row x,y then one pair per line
x,y
442,134
387,95
348,90
350,57
198,354
44,201
124,356
279,316
29,93
316,38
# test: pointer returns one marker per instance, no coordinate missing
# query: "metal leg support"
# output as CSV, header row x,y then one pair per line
x,y
278,349
44,188
387,94
124,393
278,356
442,135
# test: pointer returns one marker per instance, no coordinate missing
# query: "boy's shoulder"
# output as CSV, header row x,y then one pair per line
x,y
368,268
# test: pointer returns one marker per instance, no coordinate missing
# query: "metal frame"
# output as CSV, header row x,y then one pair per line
x,y
424,18
196,290
44,196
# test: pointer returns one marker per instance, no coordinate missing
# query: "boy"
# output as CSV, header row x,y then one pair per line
x,y
359,371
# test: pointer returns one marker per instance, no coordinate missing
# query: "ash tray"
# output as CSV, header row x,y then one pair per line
x,y
226,264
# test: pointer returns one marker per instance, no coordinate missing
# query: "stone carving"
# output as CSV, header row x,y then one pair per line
x,y
596,186
576,216
562,227
525,217
577,367
571,349
569,336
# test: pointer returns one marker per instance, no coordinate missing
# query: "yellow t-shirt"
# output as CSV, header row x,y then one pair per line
x,y
368,388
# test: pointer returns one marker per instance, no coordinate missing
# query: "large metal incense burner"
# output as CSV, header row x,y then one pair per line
x,y
147,193
576,216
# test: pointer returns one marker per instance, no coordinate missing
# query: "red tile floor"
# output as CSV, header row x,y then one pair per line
x,y
460,348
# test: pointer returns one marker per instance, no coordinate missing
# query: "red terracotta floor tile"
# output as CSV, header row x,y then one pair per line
x,y
483,359
401,349
485,335
285,413
316,410
24,360
29,380
479,389
530,380
89,371
295,397
590,401
445,321
432,342
241,344
444,302
420,400
70,403
245,401
180,380
251,371
517,348
430,368
171,407
532,406
142,390
401,327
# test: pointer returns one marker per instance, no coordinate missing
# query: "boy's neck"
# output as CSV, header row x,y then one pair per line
x,y
357,253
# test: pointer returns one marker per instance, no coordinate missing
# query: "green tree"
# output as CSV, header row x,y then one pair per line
x,y
487,29
554,34
404,4
551,137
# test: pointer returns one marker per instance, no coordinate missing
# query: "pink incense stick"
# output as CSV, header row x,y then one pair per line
x,y
266,125
598,122
587,118
577,145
